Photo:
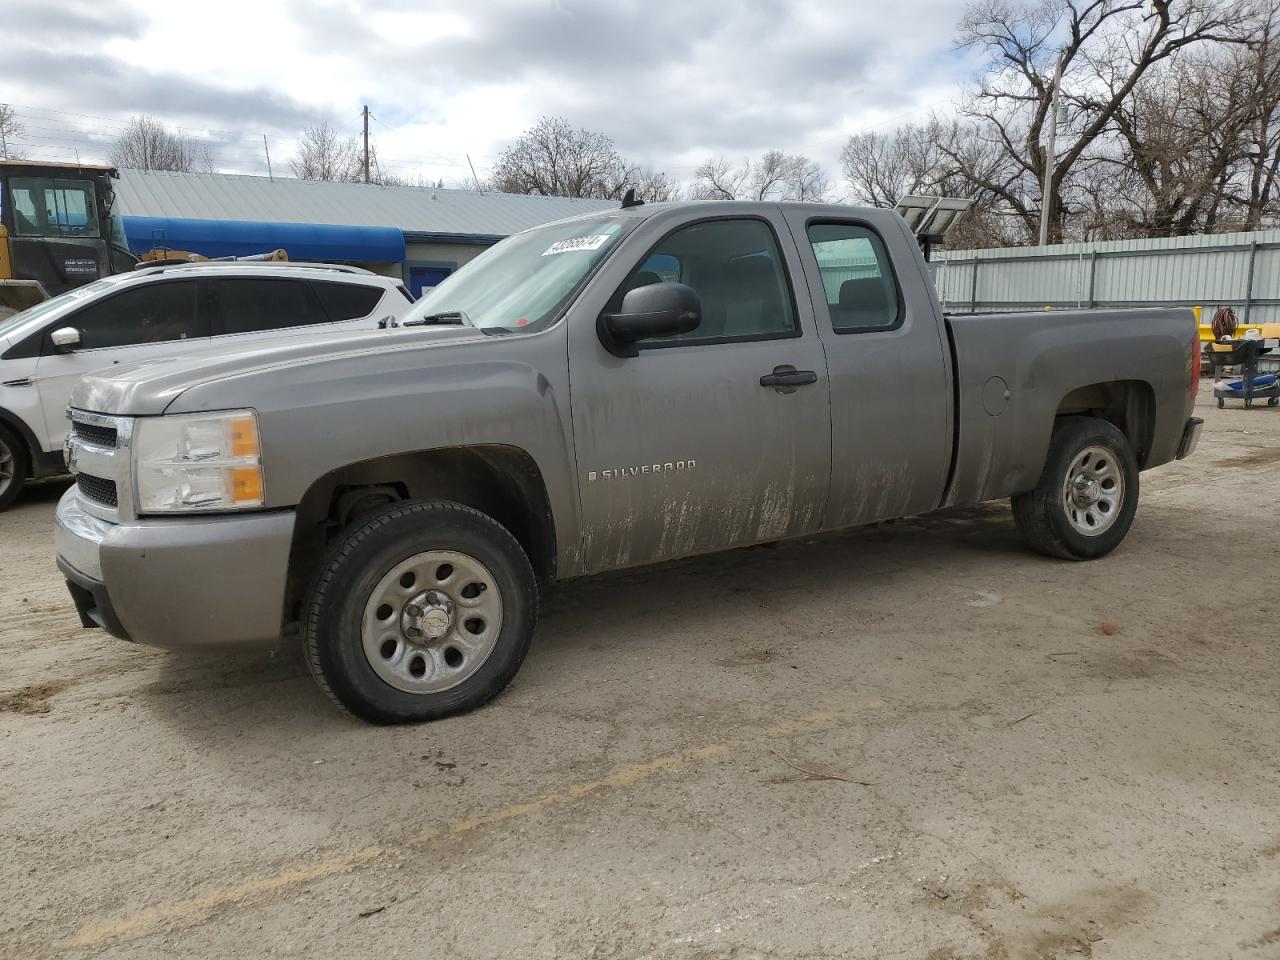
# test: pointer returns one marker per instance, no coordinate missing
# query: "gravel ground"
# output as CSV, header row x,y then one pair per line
x,y
915,740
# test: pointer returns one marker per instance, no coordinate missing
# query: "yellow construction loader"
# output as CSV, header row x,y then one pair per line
x,y
57,231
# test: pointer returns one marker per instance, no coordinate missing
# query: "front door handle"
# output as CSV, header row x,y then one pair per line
x,y
786,378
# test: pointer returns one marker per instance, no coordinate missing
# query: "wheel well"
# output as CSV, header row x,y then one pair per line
x,y
1128,404
19,429
501,481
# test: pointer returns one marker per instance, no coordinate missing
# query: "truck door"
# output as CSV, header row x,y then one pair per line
x,y
887,359
693,445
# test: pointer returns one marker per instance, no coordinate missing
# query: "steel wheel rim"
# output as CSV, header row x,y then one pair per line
x,y
8,464
432,621
1093,492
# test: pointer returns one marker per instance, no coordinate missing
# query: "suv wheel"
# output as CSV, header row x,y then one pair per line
x,y
14,466
1087,496
421,612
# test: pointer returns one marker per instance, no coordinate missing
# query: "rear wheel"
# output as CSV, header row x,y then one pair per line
x,y
14,466
1087,496
423,611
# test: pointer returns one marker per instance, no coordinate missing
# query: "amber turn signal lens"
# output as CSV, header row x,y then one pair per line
x,y
246,485
244,437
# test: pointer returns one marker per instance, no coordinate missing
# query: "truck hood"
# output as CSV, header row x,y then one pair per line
x,y
147,388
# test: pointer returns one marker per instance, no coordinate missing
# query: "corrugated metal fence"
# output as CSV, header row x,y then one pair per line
x,y
1240,270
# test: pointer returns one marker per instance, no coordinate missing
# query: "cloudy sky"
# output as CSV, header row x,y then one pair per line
x,y
671,81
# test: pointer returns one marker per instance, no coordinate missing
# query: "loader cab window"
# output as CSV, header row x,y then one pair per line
x,y
48,207
858,281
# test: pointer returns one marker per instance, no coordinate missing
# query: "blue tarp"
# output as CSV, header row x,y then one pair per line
x,y
238,238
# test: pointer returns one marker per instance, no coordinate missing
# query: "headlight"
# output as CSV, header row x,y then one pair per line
x,y
198,462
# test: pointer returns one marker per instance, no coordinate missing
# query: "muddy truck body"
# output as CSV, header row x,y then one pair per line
x,y
623,388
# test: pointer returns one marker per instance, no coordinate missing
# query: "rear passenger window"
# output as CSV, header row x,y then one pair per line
x,y
252,305
347,301
859,286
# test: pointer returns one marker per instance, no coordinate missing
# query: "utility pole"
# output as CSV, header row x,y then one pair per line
x,y
1050,157
366,143
267,151
4,122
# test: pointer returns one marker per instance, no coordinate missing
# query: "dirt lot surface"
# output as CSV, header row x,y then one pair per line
x,y
915,740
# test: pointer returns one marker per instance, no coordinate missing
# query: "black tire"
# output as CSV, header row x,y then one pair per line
x,y
1041,514
15,466
333,612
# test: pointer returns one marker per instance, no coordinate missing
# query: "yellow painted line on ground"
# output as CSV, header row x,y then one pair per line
x,y
177,911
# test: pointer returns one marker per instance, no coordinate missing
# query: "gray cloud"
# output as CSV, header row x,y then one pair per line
x,y
105,83
664,78
72,19
667,77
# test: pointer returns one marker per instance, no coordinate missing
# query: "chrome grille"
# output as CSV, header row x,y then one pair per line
x,y
101,435
98,452
97,489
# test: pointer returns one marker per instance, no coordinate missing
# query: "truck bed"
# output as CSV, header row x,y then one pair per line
x,y
1015,372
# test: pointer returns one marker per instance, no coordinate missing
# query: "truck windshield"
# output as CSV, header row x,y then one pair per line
x,y
520,284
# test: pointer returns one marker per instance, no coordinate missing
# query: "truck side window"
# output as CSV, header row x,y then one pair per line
x,y
861,292
735,268
155,313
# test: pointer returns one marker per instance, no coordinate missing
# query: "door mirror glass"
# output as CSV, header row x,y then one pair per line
x,y
654,310
65,339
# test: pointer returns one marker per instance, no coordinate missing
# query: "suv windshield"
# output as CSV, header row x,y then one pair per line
x,y
521,283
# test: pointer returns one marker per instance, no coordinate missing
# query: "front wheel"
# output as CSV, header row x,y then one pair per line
x,y
1087,496
424,611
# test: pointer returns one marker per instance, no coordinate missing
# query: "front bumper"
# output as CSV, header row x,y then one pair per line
x,y
1190,438
189,582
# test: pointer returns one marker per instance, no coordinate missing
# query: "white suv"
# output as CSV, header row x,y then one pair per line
x,y
161,311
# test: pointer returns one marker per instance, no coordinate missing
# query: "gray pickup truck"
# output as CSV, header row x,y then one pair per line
x,y
617,389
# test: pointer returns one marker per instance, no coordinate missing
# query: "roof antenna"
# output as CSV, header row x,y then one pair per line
x,y
629,199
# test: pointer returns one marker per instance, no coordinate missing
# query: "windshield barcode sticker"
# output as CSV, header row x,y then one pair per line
x,y
593,242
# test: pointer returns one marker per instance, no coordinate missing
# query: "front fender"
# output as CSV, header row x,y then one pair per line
x,y
320,416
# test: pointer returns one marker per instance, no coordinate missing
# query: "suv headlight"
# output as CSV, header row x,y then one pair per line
x,y
198,462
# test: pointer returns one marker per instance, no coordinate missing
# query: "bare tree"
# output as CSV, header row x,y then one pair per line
x,y
1257,187
10,129
147,144
203,161
880,169
1182,131
323,154
555,159
775,175
806,180
1106,47
718,179
655,187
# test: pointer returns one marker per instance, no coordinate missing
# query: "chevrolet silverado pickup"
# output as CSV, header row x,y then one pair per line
x,y
621,388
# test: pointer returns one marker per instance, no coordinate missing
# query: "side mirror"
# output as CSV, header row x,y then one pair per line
x,y
655,310
65,339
